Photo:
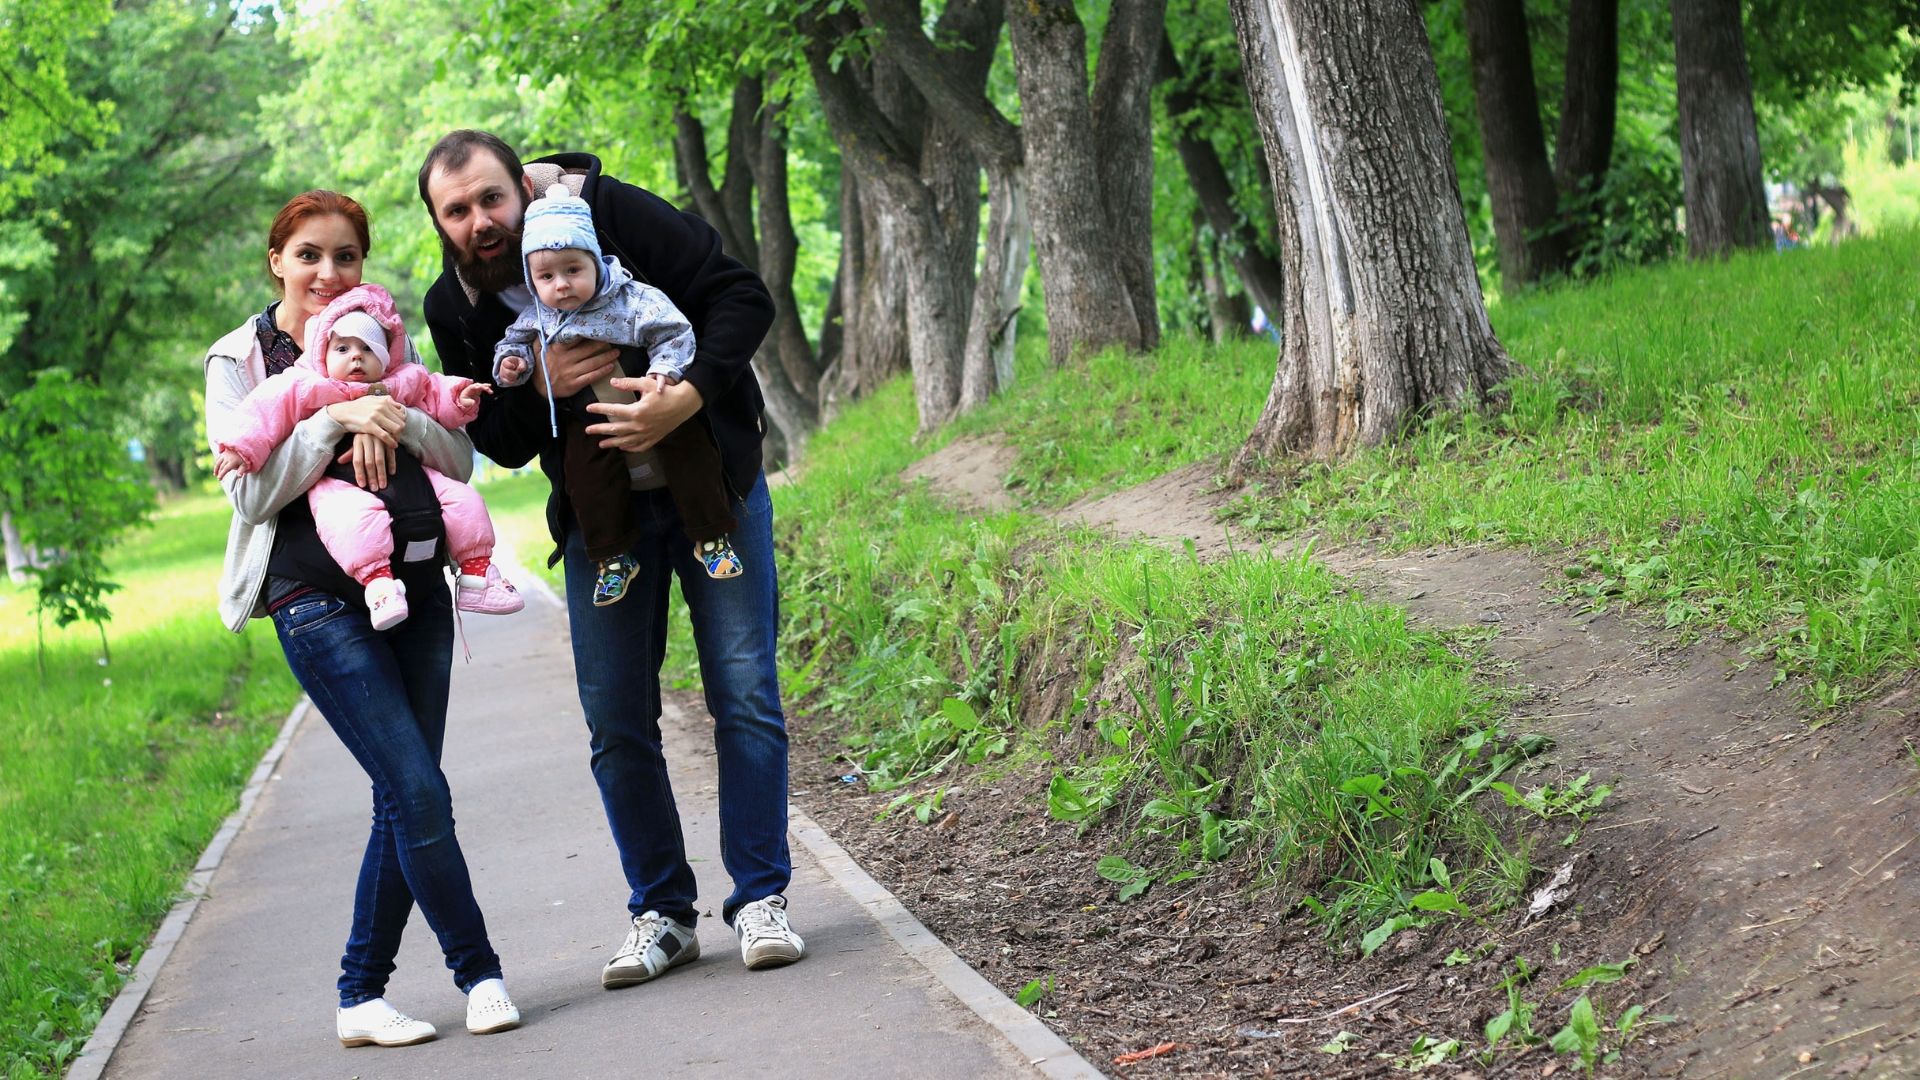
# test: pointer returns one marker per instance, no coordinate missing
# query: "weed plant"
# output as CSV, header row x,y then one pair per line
x,y
115,775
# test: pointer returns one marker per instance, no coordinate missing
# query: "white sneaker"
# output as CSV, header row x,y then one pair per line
x,y
489,1009
386,604
765,938
654,945
377,1023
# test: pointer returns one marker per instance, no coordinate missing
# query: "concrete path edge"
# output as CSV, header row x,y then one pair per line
x,y
113,1024
1045,1050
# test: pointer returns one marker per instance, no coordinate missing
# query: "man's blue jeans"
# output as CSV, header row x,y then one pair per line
x,y
385,695
617,651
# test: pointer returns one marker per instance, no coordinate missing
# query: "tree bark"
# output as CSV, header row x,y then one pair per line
x,y
1719,143
1589,97
1259,271
1520,181
779,253
889,168
1123,131
1383,320
1081,179
951,74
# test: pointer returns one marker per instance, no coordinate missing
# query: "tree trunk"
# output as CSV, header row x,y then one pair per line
x,y
1227,314
1123,132
951,74
1259,271
1519,179
1588,101
987,366
1719,143
1090,298
888,166
779,252
1384,319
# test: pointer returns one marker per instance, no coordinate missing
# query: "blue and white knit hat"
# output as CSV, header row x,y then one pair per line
x,y
559,219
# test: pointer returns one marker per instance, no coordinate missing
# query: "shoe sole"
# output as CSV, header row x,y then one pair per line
x,y
504,1025
368,1040
610,980
773,960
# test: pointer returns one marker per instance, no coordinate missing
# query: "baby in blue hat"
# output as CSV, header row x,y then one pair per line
x,y
580,295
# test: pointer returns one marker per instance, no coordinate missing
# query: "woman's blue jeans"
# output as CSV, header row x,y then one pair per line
x,y
617,651
385,694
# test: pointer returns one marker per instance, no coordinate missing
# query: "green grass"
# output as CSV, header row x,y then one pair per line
x,y
114,777
1731,447
1243,705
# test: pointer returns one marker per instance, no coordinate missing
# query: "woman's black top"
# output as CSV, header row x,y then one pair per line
x,y
299,563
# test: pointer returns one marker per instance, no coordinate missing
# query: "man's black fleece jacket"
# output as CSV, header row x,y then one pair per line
x,y
677,253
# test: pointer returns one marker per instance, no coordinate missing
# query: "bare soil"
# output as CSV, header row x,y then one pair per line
x,y
1757,866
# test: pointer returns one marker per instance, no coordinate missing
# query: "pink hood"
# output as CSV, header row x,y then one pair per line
x,y
371,299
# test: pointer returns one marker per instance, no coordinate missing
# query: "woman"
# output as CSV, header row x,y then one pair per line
x,y
383,692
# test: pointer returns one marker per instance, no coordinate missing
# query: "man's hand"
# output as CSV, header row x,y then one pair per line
x,y
471,394
645,422
574,366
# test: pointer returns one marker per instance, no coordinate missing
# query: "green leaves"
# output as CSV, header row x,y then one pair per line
x,y
71,489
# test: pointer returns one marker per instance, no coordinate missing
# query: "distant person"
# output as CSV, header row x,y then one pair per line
x,y
581,295
1263,325
478,193
384,693
358,346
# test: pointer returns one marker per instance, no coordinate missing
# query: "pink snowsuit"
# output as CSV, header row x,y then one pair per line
x,y
353,523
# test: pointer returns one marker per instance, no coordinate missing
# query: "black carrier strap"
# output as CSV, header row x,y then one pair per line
x,y
418,532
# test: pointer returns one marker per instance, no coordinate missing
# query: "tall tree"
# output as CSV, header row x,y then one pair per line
x,y
1526,203
888,158
1719,141
1384,319
1090,160
950,72
1259,271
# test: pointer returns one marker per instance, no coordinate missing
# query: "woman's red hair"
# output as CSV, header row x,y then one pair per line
x,y
318,203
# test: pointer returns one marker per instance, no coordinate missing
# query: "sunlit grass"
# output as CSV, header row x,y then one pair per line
x,y
1733,446
114,776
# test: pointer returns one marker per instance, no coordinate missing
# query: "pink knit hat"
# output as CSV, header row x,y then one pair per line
x,y
374,301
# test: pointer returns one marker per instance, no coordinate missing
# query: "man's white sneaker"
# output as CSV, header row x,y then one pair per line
x,y
765,938
654,945
376,1023
489,1009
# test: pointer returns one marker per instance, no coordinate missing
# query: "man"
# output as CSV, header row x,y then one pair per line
x,y
477,192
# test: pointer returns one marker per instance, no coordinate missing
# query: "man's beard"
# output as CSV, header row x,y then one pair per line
x,y
497,274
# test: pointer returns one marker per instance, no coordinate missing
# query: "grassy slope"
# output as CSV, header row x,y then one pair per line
x,y
1734,446
114,777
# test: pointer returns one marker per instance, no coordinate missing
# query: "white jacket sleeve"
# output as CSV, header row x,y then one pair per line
x,y
293,466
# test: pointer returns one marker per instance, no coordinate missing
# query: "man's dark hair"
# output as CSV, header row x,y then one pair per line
x,y
456,148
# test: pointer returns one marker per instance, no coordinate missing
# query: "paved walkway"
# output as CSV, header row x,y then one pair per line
x,y
248,992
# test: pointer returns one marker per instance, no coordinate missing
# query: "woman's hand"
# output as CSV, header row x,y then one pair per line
x,y
376,422
373,462
373,414
639,425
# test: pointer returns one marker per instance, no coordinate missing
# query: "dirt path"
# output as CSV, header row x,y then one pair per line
x,y
1761,873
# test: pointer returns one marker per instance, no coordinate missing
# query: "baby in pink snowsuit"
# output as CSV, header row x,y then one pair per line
x,y
358,346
